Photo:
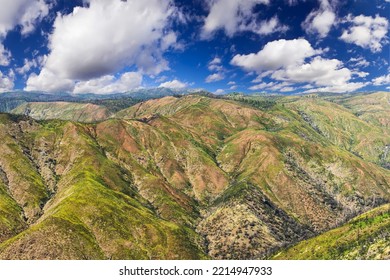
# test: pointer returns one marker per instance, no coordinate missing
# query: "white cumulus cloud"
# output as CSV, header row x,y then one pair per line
x,y
233,85
266,27
321,72
175,84
48,82
25,13
359,62
109,84
215,64
275,55
321,21
5,56
382,80
287,89
234,16
215,77
30,64
348,87
103,37
296,62
262,86
219,91
6,81
273,86
366,32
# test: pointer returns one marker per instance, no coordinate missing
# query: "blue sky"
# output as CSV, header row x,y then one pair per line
x,y
282,46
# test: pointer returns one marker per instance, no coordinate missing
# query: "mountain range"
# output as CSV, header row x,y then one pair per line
x,y
184,175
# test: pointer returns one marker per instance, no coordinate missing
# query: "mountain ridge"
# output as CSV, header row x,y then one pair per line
x,y
225,179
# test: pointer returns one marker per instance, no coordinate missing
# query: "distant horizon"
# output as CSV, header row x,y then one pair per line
x,y
188,91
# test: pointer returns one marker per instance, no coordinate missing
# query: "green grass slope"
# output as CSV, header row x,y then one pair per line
x,y
364,237
373,107
94,210
344,129
295,167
